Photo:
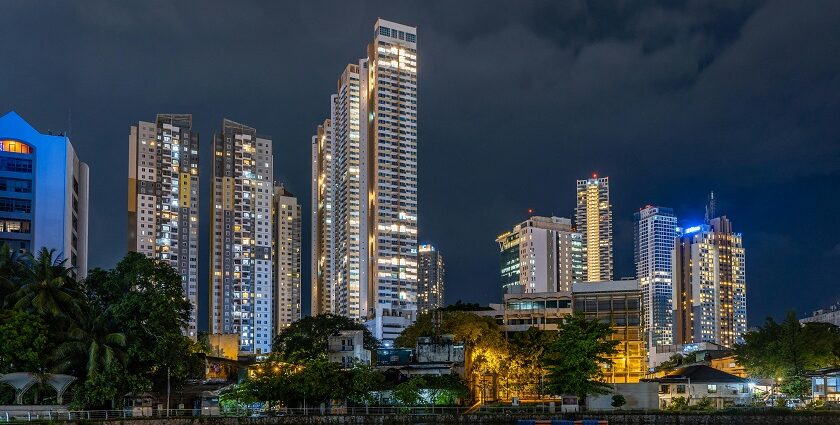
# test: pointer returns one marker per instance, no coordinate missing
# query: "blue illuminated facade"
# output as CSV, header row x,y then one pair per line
x,y
43,193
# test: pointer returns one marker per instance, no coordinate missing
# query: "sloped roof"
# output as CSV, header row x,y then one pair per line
x,y
700,374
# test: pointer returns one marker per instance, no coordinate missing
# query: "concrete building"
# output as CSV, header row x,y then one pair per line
x,y
163,190
593,219
654,235
541,254
618,302
430,282
347,348
285,243
520,312
830,315
242,286
43,193
710,293
365,205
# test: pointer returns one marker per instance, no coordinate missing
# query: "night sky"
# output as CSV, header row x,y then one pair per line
x,y
517,100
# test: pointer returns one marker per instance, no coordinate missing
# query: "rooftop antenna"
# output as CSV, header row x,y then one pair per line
x,y
710,207
69,121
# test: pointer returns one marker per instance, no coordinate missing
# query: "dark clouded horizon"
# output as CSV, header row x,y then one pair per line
x,y
517,100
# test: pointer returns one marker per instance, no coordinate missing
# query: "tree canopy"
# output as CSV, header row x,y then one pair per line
x,y
574,357
308,338
118,331
786,351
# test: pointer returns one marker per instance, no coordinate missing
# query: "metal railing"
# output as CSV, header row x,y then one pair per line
x,y
149,412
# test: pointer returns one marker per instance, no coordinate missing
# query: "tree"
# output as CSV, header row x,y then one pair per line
x,y
364,380
788,350
146,298
308,338
618,400
575,357
11,271
25,342
46,288
462,306
408,392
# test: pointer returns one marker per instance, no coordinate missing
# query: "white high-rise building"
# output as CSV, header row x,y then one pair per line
x,y
654,236
593,218
286,257
163,188
241,297
541,254
365,205
350,186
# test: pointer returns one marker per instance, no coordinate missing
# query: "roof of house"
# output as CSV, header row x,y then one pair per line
x,y
700,374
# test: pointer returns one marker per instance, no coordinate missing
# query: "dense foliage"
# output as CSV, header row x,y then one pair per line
x,y
317,380
117,332
574,357
787,351
531,362
307,338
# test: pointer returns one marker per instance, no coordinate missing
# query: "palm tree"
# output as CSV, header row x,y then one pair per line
x,y
10,273
47,286
90,337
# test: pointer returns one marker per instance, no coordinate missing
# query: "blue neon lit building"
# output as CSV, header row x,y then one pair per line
x,y
43,193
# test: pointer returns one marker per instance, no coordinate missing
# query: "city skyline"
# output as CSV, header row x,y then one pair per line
x,y
457,214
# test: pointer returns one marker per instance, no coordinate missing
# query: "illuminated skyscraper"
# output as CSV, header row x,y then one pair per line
x,y
365,205
163,198
350,210
285,257
323,219
43,193
430,283
710,294
654,234
593,218
241,297
541,254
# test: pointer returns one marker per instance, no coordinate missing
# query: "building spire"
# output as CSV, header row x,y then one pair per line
x,y
710,207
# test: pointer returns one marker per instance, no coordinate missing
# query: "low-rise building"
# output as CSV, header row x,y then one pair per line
x,y
696,382
830,315
437,356
347,347
619,304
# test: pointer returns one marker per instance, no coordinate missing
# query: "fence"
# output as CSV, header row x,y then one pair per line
x,y
148,412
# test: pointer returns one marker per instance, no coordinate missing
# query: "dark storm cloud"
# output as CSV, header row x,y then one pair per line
x,y
517,100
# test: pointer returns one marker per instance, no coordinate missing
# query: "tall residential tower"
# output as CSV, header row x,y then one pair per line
x,y
364,193
710,293
322,236
286,246
593,218
163,198
430,283
654,234
241,293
